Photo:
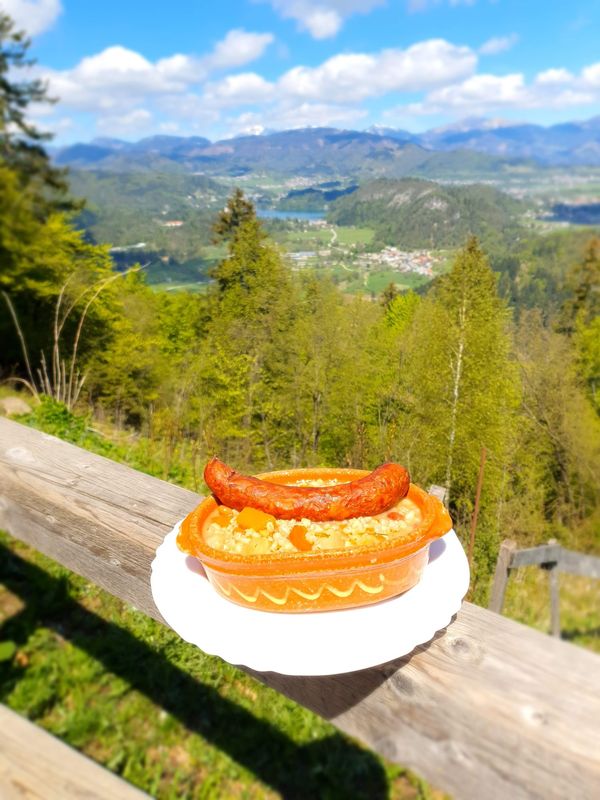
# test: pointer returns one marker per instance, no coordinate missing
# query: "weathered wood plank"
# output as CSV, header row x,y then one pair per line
x,y
579,564
489,707
101,519
36,766
503,566
535,556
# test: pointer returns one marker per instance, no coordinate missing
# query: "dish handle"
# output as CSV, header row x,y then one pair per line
x,y
442,522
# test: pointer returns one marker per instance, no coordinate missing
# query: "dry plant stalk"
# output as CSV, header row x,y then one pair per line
x,y
61,384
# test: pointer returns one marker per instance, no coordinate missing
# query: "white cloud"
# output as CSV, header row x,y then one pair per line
x,y
136,121
356,76
554,77
169,127
482,94
34,16
115,78
244,89
591,76
498,44
322,18
237,48
118,78
288,117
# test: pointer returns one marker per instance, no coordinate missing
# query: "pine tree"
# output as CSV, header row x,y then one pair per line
x,y
237,211
20,141
389,294
248,351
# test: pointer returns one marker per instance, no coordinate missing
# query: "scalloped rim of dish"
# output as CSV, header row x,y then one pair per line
x,y
256,661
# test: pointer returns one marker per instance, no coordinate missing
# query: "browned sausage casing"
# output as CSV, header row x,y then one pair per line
x,y
374,493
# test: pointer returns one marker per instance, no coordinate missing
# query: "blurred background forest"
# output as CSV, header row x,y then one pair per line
x,y
270,367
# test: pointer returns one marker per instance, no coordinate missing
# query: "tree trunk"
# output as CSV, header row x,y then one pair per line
x,y
456,369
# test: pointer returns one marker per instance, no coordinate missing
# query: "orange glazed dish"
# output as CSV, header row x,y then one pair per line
x,y
270,563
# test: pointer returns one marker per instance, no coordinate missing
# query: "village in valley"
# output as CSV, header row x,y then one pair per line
x,y
353,260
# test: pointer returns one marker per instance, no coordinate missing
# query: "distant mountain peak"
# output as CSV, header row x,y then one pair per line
x,y
332,151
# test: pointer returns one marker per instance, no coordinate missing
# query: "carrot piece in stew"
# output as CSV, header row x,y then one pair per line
x,y
298,538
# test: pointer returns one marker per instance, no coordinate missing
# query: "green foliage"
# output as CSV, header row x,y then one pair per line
x,y
20,140
44,259
237,211
587,344
246,366
401,310
460,394
127,208
560,434
533,269
7,650
583,283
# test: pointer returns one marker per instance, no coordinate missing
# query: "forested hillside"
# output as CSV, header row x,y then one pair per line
x,y
412,213
128,207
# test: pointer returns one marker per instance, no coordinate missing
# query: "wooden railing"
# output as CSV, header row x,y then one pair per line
x,y
551,557
488,709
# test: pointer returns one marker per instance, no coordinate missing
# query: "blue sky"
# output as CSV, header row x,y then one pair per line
x,y
218,68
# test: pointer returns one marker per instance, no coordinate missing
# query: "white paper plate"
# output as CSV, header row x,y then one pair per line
x,y
320,643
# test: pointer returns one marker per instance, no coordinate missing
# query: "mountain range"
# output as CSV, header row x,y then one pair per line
x,y
472,148
310,152
568,143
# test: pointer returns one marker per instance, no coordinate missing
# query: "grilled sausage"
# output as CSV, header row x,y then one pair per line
x,y
367,496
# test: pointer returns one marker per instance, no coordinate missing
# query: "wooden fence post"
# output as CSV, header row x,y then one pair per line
x,y
554,606
441,492
501,574
553,568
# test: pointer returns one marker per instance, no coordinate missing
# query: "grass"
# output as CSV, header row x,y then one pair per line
x,y
351,235
528,601
378,280
168,718
130,694
312,237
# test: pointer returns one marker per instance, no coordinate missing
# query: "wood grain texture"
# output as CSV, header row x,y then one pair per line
x,y
36,766
488,709
501,573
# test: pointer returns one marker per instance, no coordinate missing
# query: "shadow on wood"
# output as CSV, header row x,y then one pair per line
x,y
333,695
332,767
